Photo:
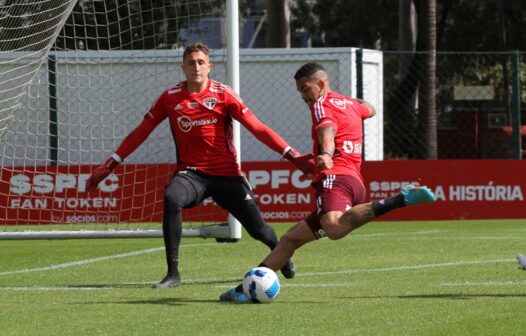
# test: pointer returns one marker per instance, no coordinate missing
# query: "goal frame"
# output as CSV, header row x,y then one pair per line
x,y
223,232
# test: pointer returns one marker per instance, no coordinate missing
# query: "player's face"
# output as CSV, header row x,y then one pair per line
x,y
196,67
310,90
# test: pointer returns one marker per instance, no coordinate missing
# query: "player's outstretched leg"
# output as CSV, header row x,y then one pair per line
x,y
289,270
169,281
234,295
417,195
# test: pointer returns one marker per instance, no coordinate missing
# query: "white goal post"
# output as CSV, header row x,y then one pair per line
x,y
75,78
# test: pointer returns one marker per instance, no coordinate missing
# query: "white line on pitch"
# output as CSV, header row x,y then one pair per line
x,y
411,267
483,283
383,269
153,250
94,260
473,238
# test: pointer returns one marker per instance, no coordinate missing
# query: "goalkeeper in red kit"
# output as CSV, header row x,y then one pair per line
x,y
341,207
200,111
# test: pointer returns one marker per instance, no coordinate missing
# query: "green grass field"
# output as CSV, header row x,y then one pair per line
x,y
387,278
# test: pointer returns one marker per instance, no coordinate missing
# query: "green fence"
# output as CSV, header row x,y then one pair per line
x,y
477,111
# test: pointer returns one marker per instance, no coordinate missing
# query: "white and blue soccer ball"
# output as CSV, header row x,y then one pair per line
x,y
261,285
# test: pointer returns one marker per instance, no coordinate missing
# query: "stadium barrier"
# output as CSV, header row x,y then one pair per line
x,y
465,189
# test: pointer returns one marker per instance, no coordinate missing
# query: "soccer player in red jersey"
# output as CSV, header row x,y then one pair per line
x,y
337,136
200,112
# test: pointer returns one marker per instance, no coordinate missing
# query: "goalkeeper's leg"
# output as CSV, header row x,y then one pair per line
x,y
184,190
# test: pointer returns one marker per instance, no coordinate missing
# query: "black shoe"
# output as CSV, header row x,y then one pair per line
x,y
289,270
169,281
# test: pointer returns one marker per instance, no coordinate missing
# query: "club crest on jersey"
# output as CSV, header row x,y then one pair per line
x,y
210,102
340,103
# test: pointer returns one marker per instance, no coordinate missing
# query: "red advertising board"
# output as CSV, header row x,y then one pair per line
x,y
465,189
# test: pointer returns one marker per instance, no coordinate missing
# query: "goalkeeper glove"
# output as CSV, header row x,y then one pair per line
x,y
304,162
101,172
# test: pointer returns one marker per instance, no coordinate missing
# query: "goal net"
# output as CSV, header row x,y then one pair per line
x,y
75,78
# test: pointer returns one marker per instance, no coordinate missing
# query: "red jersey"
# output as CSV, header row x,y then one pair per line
x,y
345,115
201,125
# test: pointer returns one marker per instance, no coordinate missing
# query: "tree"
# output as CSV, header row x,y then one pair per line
x,y
278,24
429,118
345,23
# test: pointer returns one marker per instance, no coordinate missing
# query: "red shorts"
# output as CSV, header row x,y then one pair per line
x,y
335,193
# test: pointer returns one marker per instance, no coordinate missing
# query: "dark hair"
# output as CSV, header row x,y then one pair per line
x,y
195,47
308,70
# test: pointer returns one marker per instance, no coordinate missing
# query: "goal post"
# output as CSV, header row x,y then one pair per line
x,y
69,97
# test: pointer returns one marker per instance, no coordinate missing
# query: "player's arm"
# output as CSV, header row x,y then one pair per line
x,y
326,133
370,110
269,137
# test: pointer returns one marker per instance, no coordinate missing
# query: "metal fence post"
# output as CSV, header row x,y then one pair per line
x,y
359,73
53,117
516,106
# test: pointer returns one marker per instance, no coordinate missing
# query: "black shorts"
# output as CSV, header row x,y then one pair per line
x,y
335,193
227,191
188,188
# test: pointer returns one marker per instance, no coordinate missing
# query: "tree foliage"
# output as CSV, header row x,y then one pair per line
x,y
462,24
344,23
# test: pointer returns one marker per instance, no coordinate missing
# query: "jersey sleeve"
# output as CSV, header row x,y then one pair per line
x,y
324,116
362,109
150,121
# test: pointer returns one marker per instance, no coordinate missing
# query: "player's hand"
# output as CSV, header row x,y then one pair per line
x,y
324,161
100,173
305,162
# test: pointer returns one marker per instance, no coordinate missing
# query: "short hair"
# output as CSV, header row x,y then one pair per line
x,y
307,70
195,47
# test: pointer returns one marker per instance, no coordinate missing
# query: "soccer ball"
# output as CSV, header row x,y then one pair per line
x,y
261,285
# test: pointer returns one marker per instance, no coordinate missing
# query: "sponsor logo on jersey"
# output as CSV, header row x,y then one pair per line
x,y
193,104
210,102
340,103
186,124
178,107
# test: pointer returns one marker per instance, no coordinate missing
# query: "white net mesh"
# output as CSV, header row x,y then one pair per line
x,y
75,79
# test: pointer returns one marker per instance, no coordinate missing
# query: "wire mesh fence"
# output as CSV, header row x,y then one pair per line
x,y
477,103
474,112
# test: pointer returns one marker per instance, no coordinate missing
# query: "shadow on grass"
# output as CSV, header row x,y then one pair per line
x,y
150,284
166,301
154,301
181,301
